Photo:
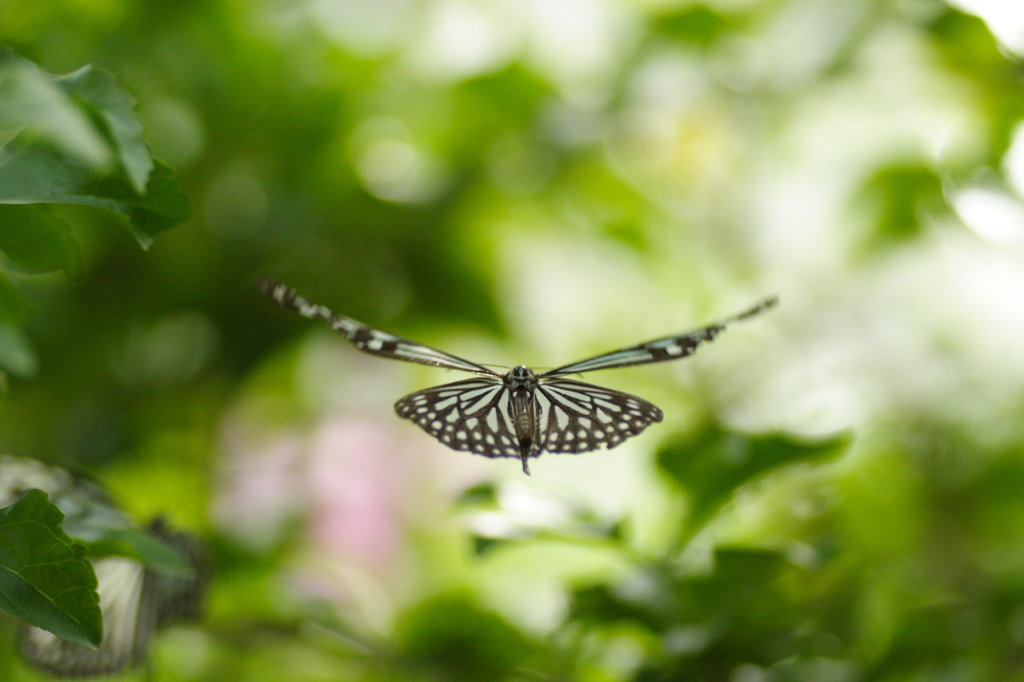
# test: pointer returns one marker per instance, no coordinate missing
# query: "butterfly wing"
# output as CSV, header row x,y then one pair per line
x,y
475,415
571,416
134,601
575,417
365,338
658,350
129,621
471,415
179,597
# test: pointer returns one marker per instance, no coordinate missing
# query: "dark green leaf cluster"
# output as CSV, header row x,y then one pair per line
x,y
72,139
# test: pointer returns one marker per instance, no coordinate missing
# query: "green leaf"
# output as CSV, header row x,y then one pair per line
x,y
713,462
460,641
697,25
480,496
45,578
72,129
30,98
113,106
594,604
34,237
157,554
482,545
17,356
14,309
741,581
905,196
33,171
163,206
969,48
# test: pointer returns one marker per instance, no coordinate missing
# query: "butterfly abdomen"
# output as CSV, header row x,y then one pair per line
x,y
524,421
521,383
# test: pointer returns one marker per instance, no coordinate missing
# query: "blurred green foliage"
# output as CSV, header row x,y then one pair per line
x,y
713,462
835,494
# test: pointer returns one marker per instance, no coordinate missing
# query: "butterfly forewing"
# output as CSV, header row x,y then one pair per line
x,y
658,350
577,417
470,415
365,338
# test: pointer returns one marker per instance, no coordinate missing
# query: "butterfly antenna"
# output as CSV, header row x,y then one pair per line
x,y
764,305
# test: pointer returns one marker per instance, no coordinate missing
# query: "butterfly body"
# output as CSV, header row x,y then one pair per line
x,y
519,413
521,382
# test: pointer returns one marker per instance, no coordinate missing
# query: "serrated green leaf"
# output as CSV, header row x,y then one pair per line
x,y
162,207
34,237
45,578
17,356
33,171
111,104
713,462
30,98
72,127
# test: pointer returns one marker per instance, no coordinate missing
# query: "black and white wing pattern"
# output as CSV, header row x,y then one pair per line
x,y
658,350
365,338
520,413
574,417
472,415
571,416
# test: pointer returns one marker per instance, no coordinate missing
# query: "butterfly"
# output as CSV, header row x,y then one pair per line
x,y
519,413
135,599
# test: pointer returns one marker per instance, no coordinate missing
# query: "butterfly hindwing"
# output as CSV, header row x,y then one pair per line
x,y
575,417
471,415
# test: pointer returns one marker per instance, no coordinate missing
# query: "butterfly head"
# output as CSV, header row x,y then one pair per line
x,y
520,378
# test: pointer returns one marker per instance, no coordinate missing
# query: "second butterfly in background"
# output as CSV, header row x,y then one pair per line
x,y
136,598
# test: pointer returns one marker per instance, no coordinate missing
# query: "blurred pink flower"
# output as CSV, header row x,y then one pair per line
x,y
355,474
261,489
